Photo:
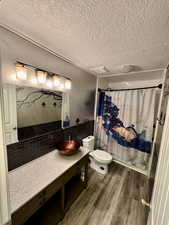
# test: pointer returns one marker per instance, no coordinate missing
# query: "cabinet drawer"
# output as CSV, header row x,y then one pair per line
x,y
27,210
75,169
52,189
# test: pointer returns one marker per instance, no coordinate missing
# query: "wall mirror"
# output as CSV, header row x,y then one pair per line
x,y
32,112
38,111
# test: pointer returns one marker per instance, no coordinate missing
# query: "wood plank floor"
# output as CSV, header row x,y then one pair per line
x,y
114,199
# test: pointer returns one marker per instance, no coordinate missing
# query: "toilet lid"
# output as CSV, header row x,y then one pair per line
x,y
101,155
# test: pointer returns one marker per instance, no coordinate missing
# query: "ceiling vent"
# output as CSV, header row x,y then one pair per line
x,y
99,70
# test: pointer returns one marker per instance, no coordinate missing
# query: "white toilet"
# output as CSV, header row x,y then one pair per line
x,y
99,159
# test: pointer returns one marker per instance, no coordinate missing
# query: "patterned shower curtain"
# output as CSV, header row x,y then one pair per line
x,y
124,125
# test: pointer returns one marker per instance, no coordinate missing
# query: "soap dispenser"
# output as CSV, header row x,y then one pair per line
x,y
66,122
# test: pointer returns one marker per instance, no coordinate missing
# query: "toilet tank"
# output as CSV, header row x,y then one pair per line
x,y
88,143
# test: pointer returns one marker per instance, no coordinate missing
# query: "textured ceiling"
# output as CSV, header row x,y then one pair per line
x,y
96,32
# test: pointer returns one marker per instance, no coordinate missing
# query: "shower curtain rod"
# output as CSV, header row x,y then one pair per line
x,y
128,89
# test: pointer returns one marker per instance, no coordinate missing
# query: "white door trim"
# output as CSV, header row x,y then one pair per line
x,y
5,216
160,199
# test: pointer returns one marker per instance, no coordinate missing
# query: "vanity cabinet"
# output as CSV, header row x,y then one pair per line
x,y
49,214
50,205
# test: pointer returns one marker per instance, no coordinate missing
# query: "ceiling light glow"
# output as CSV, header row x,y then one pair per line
x,y
21,72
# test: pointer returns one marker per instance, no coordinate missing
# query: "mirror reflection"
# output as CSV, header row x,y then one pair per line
x,y
38,111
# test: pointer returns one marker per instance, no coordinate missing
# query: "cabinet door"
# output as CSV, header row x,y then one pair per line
x,y
10,114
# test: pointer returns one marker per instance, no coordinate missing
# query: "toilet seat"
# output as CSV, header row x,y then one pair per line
x,y
101,156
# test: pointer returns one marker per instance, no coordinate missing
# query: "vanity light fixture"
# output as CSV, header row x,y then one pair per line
x,y
41,76
21,72
62,86
49,82
34,80
13,77
62,83
68,84
56,80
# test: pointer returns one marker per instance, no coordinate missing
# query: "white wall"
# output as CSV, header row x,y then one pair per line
x,y
134,80
103,83
14,48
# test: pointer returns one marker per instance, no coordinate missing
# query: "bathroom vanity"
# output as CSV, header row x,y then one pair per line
x,y
42,190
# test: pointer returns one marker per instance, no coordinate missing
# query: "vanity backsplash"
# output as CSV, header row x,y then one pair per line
x,y
32,148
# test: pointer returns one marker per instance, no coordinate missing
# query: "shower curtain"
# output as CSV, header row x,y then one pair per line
x,y
124,125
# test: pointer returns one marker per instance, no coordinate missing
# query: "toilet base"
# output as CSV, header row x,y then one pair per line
x,y
99,167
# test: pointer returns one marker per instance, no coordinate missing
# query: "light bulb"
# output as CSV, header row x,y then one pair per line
x,y
56,80
13,77
49,82
68,84
41,76
62,83
34,80
21,72
61,86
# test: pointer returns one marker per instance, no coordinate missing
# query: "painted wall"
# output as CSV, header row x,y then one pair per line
x,y
14,48
134,80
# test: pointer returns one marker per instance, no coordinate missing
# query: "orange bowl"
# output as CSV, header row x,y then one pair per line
x,y
68,147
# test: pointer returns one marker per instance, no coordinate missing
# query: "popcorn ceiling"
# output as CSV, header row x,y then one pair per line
x,y
96,32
